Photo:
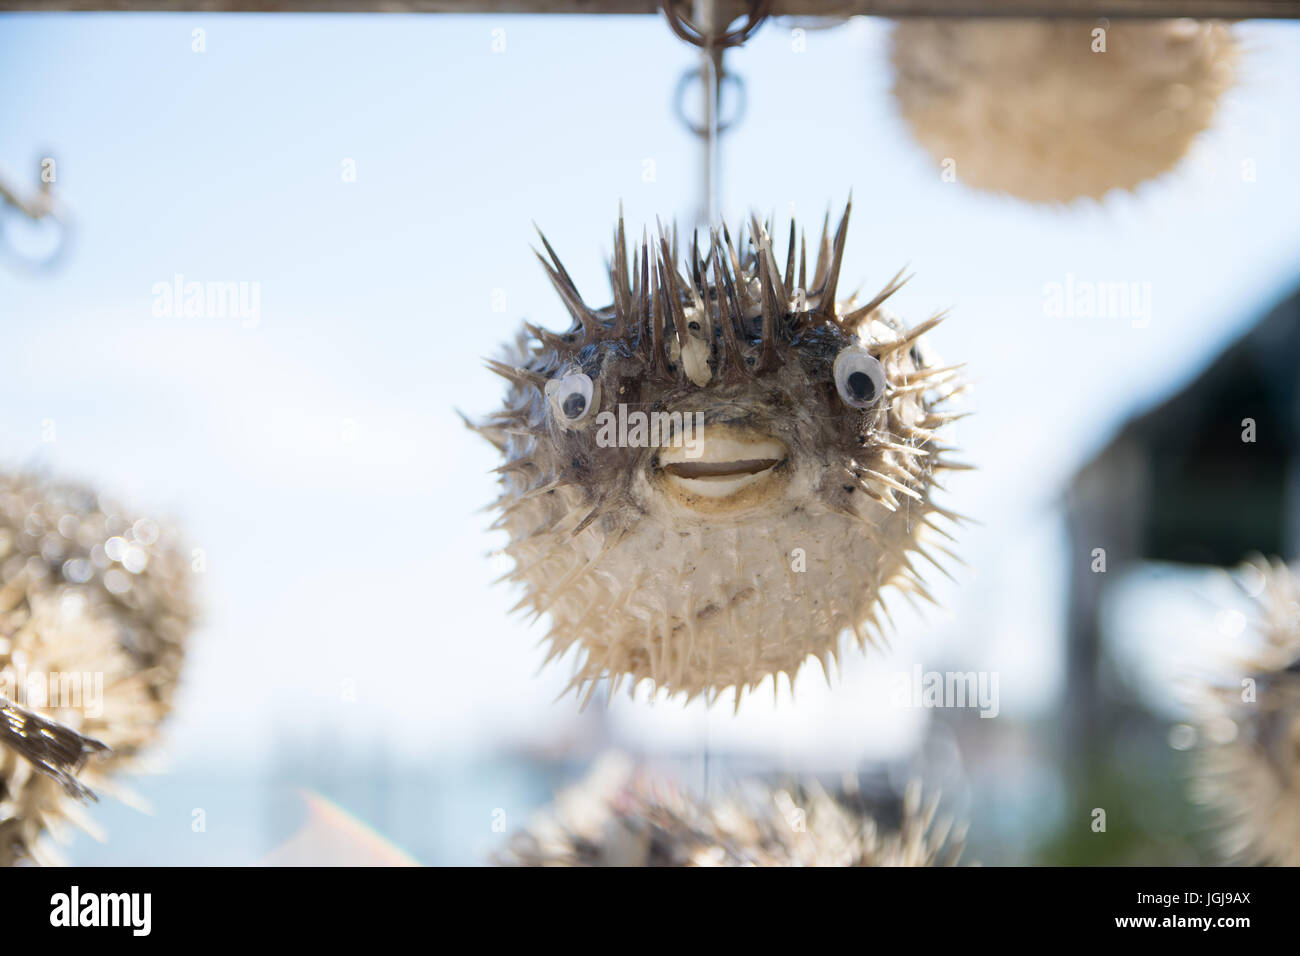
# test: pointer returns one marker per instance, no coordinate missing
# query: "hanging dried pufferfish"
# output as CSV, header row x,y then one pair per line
x,y
1055,110
95,608
711,479
619,818
1249,761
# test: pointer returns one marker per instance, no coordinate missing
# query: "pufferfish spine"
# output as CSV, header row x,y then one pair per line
x,y
1248,765
95,611
1052,111
54,749
790,481
618,818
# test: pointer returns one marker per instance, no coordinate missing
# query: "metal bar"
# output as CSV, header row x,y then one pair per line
x,y
708,16
1080,9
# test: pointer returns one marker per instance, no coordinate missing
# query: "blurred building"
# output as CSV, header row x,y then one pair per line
x,y
1208,477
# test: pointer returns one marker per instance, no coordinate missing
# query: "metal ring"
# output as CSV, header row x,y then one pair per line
x,y
679,99
38,264
758,12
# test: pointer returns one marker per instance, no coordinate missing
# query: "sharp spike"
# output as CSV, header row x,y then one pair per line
x,y
734,357
823,252
760,234
592,515
929,523
486,431
934,375
763,250
955,517
697,266
738,275
48,746
519,464
770,360
639,320
654,313
619,280
935,419
909,450
520,376
559,266
911,335
803,262
737,311
893,483
731,250
789,264
549,340
668,286
826,290
581,313
508,506
852,320
939,567
949,553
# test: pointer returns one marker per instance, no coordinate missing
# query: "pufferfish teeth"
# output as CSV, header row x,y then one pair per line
x,y
721,462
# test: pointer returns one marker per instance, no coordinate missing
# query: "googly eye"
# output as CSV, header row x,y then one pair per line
x,y
859,377
571,397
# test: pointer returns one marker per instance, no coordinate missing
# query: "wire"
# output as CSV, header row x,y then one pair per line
x,y
707,29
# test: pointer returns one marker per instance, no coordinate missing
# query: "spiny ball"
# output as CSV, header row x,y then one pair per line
x,y
95,609
618,818
1249,727
1054,110
708,481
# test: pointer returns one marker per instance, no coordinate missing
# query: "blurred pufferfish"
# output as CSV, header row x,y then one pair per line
x,y
618,817
1055,110
95,610
1248,760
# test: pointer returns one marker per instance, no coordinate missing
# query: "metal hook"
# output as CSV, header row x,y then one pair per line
x,y
757,13
712,47
707,30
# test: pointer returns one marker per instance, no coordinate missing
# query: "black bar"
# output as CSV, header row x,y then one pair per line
x,y
973,906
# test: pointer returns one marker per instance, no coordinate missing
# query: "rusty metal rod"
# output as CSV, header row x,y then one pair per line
x,y
1081,9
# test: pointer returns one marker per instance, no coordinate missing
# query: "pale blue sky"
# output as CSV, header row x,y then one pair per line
x,y
361,560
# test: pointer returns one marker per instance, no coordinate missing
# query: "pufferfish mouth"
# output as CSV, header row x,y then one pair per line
x,y
724,466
